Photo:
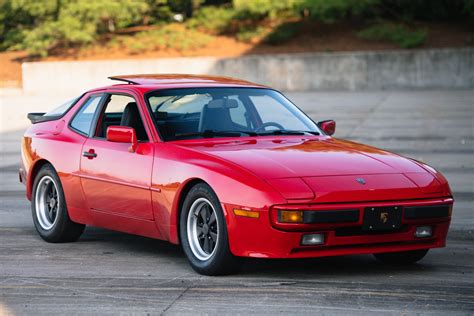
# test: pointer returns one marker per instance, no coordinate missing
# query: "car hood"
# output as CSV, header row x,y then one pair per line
x,y
287,157
325,168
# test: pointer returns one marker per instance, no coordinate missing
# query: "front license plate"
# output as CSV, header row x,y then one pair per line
x,y
382,218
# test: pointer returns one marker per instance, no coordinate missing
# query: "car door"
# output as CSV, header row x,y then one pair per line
x,y
114,179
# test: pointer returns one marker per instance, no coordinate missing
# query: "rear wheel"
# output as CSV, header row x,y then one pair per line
x,y
203,233
401,258
49,210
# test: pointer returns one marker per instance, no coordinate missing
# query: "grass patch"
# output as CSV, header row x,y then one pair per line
x,y
249,34
170,36
395,33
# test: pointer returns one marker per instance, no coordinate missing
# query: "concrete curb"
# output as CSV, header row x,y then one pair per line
x,y
450,68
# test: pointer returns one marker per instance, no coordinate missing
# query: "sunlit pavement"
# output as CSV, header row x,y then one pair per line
x,y
108,272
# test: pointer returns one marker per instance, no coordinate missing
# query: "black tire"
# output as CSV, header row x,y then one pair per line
x,y
401,258
220,261
61,229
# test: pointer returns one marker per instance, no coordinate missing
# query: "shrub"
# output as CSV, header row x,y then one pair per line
x,y
395,33
168,36
249,33
282,33
255,9
212,19
334,10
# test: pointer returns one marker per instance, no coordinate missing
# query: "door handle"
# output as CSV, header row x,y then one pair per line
x,y
89,154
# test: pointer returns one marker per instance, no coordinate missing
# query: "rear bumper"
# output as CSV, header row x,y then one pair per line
x,y
263,238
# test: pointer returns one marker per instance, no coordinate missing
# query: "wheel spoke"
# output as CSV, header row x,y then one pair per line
x,y
213,236
202,214
207,245
213,244
206,208
212,219
50,214
200,232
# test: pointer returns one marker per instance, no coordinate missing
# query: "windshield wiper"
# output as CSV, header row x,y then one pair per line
x,y
210,134
287,132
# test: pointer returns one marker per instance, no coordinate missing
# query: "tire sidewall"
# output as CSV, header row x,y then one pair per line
x,y
56,231
222,250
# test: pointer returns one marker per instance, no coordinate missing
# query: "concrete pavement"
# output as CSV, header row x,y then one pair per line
x,y
108,272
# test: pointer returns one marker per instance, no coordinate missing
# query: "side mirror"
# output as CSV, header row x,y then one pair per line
x,y
329,126
123,134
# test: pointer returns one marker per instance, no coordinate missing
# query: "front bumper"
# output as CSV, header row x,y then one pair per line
x,y
263,237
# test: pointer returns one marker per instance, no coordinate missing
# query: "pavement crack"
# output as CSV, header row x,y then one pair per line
x,y
368,117
175,300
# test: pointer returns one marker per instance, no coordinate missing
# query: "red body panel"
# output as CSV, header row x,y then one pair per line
x,y
139,191
118,181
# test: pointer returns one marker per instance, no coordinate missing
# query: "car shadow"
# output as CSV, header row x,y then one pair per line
x,y
341,266
133,243
353,265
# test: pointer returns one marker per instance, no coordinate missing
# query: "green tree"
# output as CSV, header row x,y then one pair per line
x,y
45,24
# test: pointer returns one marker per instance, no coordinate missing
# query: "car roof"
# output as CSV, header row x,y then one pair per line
x,y
148,82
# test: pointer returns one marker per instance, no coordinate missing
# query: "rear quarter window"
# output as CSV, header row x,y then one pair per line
x,y
63,108
82,121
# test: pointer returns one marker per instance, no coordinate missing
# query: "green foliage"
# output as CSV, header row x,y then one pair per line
x,y
334,10
168,36
188,7
469,8
428,10
395,33
40,26
282,33
249,33
212,19
46,24
159,11
263,8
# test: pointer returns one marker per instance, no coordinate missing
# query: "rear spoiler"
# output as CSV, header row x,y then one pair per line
x,y
37,117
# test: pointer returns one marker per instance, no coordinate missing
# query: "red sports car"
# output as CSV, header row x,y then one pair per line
x,y
228,169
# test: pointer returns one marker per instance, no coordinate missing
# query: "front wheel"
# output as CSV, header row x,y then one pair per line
x,y
203,233
401,258
49,210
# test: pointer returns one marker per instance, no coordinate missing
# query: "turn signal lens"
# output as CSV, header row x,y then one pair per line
x,y
246,213
290,216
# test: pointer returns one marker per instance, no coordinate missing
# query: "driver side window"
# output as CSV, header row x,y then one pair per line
x,y
121,110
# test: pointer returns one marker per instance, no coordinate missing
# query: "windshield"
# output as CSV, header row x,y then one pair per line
x,y
226,112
